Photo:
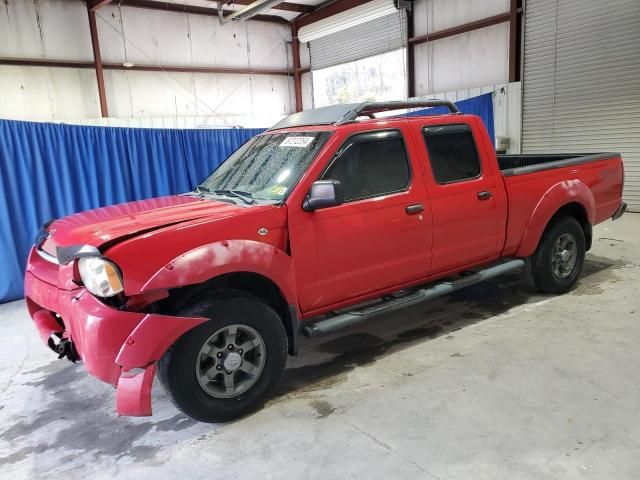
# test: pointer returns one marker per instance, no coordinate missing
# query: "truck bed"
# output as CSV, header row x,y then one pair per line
x,y
521,164
528,178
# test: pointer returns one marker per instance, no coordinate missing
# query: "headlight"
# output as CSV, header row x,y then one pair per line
x,y
100,276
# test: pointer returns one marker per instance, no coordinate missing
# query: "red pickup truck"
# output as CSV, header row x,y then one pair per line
x,y
331,217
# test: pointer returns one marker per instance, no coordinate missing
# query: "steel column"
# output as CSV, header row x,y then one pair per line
x,y
411,58
104,110
515,29
297,71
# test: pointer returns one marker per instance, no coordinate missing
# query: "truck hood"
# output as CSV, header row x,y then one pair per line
x,y
108,224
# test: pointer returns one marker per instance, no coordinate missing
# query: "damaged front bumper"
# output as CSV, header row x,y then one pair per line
x,y
115,346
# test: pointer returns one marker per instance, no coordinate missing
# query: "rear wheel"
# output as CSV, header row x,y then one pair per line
x,y
557,263
228,366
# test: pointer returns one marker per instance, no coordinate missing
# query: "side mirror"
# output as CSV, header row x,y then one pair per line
x,y
323,194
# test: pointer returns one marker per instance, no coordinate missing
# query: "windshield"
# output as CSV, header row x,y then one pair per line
x,y
267,167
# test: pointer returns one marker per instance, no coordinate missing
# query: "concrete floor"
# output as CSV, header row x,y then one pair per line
x,y
490,383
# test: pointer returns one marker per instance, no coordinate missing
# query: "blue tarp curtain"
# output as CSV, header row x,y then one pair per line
x,y
49,171
481,105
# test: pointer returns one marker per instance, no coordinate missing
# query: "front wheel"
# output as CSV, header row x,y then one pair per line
x,y
557,263
226,367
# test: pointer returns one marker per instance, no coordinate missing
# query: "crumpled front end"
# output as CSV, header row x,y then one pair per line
x,y
116,346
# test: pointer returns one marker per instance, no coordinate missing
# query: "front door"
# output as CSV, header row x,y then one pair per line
x,y
380,237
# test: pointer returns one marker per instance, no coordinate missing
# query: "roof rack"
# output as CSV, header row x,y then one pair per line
x,y
339,114
369,109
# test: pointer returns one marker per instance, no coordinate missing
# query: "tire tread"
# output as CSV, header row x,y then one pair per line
x,y
538,266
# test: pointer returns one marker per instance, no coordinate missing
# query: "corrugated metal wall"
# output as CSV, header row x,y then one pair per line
x,y
581,87
58,30
467,60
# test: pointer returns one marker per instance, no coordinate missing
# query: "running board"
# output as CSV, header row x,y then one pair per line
x,y
423,294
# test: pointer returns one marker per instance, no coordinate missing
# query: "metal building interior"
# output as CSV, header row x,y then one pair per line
x,y
105,102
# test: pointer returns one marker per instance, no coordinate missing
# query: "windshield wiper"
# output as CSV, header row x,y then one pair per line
x,y
200,190
246,197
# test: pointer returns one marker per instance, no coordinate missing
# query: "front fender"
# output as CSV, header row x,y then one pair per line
x,y
228,256
559,195
151,338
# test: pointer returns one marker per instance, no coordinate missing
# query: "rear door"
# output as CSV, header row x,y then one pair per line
x,y
467,200
380,237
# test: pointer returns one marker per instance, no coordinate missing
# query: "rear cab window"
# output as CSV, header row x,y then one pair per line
x,y
371,164
453,155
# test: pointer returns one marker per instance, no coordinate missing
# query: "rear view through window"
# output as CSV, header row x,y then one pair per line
x,y
452,153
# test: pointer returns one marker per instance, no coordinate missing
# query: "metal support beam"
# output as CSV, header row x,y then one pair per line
x,y
467,27
190,69
411,58
515,31
96,4
297,74
29,62
174,7
284,6
97,62
333,8
38,62
247,11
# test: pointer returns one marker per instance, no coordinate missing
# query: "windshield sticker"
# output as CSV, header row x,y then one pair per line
x,y
300,142
278,190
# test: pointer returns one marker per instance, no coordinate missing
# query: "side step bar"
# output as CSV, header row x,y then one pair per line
x,y
418,296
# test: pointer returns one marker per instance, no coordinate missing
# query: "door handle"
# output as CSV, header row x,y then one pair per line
x,y
414,209
486,195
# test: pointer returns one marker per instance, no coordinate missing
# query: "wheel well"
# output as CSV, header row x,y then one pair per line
x,y
578,212
248,282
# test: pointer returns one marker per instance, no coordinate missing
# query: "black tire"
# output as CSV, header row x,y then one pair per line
x,y
177,368
544,276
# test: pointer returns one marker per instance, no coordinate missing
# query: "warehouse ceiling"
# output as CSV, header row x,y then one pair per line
x,y
286,10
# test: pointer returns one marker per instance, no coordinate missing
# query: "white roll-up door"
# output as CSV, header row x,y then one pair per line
x,y
362,13
355,40
581,81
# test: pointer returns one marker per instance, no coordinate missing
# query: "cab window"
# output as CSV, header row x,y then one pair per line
x,y
370,165
452,153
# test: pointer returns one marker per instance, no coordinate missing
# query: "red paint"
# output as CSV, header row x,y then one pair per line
x,y
320,261
147,343
133,393
99,226
210,261
46,324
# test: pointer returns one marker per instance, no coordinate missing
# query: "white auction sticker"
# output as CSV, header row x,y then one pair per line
x,y
300,142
